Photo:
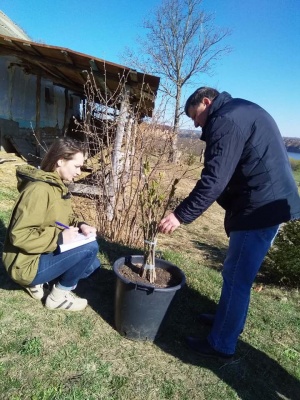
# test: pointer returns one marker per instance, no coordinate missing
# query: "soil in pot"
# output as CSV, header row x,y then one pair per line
x,y
163,279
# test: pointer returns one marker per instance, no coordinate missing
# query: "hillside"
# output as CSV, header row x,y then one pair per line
x,y
292,144
186,136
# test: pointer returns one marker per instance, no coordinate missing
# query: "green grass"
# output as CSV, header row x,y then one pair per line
x,y
48,355
296,169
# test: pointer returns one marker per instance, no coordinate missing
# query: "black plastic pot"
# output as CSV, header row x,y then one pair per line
x,y
141,310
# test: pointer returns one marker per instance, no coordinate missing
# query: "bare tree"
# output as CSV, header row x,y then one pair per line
x,y
181,42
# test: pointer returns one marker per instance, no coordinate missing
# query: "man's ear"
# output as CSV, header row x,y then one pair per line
x,y
59,162
206,101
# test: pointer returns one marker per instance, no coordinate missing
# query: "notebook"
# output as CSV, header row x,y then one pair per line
x,y
80,240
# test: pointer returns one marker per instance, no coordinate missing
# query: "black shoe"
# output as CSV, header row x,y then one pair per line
x,y
204,349
206,319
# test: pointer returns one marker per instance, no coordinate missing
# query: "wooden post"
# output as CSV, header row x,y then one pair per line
x,y
66,121
38,116
201,155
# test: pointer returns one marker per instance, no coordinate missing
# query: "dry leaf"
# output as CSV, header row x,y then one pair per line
x,y
258,288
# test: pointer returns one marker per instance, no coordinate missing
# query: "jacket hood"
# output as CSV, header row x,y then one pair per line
x,y
27,174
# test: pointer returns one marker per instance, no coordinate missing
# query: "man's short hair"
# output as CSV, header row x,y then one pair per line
x,y
198,96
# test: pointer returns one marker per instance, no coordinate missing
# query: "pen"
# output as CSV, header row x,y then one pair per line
x,y
62,225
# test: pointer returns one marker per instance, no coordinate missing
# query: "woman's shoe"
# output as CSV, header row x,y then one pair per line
x,y
38,292
60,299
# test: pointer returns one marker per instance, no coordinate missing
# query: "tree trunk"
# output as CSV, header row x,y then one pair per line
x,y
174,156
128,150
117,156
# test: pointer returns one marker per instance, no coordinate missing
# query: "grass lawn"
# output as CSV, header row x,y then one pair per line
x,y
58,355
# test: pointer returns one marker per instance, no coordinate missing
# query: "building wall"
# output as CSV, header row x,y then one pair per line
x,y
18,98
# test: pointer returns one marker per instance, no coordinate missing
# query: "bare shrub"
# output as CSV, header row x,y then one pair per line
x,y
133,180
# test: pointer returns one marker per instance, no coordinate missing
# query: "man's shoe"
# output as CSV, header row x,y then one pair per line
x,y
38,292
204,349
60,299
206,319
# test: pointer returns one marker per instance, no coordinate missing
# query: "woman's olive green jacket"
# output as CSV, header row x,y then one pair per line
x,y
32,231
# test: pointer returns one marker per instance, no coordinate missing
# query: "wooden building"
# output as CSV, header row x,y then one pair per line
x,y
42,89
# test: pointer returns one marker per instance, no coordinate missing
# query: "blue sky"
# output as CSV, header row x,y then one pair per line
x,y
263,67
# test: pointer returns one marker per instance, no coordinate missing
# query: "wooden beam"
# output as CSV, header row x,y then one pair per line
x,y
84,190
67,57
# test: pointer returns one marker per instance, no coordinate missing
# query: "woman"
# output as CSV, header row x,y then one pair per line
x,y
30,253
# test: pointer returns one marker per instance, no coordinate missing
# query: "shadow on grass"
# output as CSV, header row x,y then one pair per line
x,y
5,281
252,375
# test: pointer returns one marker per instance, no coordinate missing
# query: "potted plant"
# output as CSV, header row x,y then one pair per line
x,y
146,286
127,155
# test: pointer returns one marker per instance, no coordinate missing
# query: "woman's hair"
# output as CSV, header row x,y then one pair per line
x,y
64,148
198,96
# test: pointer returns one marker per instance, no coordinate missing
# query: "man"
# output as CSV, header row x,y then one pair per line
x,y
247,171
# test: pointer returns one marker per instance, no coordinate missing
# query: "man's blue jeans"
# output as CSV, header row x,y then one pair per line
x,y
245,255
69,266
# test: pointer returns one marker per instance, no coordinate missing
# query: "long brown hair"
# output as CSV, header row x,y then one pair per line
x,y
64,148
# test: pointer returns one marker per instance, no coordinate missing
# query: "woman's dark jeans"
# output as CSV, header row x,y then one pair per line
x,y
68,267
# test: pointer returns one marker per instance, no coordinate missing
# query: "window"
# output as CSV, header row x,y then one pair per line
x,y
49,95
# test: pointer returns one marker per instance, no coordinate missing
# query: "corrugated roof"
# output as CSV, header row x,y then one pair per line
x,y
67,68
9,28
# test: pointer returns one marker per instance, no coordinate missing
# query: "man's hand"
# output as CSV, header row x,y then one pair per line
x,y
168,224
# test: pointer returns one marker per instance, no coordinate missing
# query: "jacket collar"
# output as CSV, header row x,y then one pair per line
x,y
218,102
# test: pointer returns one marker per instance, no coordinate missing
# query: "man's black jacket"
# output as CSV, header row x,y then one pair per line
x,y
246,169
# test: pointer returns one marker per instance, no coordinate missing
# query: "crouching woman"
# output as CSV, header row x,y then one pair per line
x,y
30,254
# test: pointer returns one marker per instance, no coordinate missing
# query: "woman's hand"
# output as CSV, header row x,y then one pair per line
x,y
88,230
68,235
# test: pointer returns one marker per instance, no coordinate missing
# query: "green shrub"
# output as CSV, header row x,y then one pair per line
x,y
282,264
295,164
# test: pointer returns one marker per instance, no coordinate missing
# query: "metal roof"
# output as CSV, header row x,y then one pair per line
x,y
9,28
68,68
